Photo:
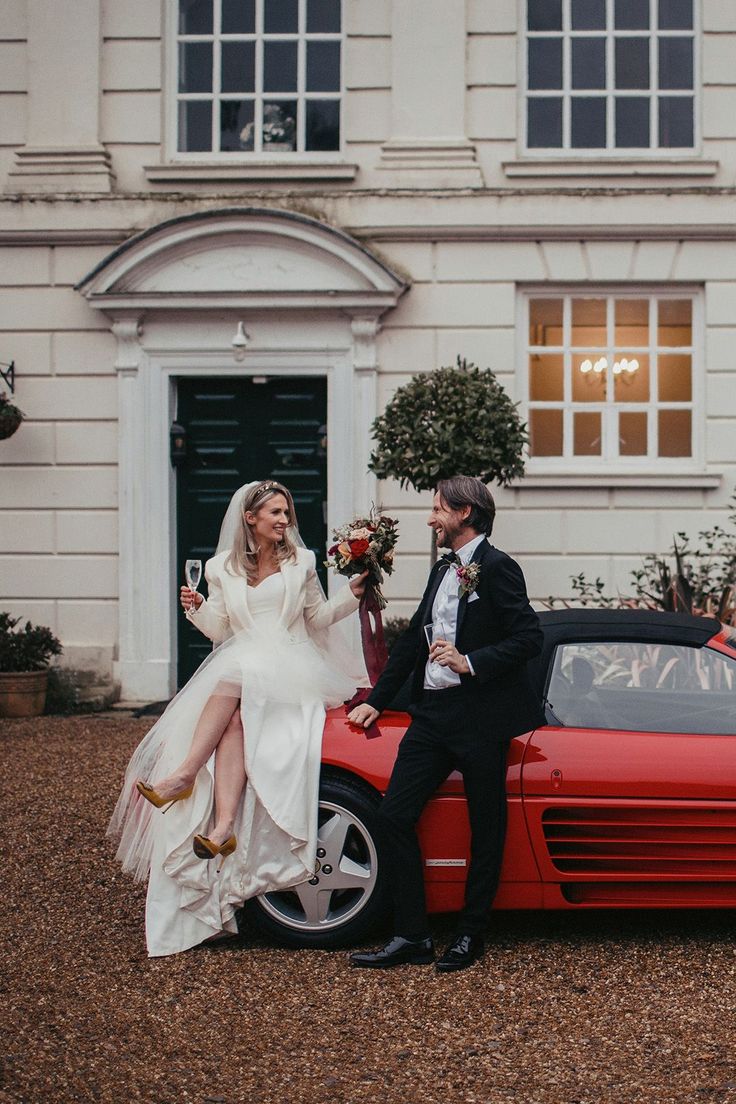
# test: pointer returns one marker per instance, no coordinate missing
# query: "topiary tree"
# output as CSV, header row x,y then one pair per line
x,y
455,420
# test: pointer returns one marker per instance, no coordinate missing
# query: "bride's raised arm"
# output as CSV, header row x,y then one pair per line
x,y
321,612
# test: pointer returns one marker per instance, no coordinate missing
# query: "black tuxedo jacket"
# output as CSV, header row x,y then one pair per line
x,y
498,631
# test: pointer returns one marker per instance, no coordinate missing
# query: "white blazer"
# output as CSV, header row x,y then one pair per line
x,y
303,613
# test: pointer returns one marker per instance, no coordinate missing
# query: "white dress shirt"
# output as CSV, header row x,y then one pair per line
x,y
444,611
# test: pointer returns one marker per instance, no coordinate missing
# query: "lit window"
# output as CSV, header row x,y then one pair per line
x,y
611,377
258,76
610,75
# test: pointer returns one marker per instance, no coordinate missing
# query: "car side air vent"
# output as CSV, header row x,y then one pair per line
x,y
695,840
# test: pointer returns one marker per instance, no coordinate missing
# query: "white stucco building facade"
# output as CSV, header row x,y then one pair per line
x,y
372,188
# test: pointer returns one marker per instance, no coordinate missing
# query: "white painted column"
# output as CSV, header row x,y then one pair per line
x,y
365,406
428,66
143,665
63,151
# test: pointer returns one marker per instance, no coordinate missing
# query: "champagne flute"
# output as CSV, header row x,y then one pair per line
x,y
193,574
436,631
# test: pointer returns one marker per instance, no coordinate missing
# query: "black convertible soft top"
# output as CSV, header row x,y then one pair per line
x,y
628,624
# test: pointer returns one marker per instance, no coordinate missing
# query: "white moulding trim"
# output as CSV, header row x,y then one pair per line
x,y
262,169
555,480
613,166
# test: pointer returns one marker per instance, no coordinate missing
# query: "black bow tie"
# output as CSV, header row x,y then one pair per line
x,y
450,558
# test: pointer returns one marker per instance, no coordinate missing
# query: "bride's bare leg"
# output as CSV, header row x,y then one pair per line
x,y
212,723
229,779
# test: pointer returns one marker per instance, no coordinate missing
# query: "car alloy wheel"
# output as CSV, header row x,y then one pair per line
x,y
344,897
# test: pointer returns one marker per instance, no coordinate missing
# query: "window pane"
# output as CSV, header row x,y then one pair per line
x,y
545,62
324,16
545,432
632,122
195,66
323,124
675,63
632,322
323,66
279,126
637,687
631,377
545,322
632,63
195,16
589,323
675,322
675,377
675,15
586,434
236,125
238,66
632,434
546,377
589,377
589,63
676,121
238,16
675,433
279,66
588,123
195,126
544,123
588,15
281,16
631,15
544,15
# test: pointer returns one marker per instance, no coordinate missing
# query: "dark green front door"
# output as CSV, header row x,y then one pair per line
x,y
239,430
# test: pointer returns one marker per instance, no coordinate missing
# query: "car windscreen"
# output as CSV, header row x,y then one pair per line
x,y
636,686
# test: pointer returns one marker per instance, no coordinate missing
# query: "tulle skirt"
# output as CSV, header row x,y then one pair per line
x,y
284,686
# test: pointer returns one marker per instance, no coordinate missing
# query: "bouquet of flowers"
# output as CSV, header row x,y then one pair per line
x,y
366,544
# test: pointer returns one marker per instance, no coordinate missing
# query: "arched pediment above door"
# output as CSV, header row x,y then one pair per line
x,y
242,257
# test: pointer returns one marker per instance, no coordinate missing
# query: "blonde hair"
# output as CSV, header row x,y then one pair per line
x,y
243,558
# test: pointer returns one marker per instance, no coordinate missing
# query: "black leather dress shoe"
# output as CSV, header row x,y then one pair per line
x,y
463,951
397,952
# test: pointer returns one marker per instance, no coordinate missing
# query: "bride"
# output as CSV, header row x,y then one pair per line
x,y
234,761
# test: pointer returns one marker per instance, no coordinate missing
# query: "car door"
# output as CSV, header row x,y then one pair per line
x,y
629,793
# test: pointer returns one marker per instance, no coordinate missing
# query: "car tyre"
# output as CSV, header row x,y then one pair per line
x,y
347,897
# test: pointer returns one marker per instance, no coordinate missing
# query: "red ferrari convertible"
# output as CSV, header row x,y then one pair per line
x,y
626,798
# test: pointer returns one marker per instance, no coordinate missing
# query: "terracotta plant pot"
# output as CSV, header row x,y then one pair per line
x,y
22,693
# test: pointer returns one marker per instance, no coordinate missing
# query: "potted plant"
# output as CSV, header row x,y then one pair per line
x,y
25,654
10,417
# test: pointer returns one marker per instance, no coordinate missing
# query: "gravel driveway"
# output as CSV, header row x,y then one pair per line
x,y
564,1008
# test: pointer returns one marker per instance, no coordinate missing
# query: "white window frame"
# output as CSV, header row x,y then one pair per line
x,y
610,151
592,466
245,157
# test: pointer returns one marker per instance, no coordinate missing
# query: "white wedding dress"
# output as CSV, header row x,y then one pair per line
x,y
278,663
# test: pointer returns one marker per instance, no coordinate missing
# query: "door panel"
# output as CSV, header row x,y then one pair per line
x,y
239,430
610,805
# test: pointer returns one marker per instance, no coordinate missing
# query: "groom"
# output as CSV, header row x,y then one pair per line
x,y
470,695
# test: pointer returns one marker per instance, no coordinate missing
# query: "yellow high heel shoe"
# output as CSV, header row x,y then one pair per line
x,y
205,849
155,798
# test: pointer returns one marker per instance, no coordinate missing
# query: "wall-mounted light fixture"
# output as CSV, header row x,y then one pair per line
x,y
7,371
240,342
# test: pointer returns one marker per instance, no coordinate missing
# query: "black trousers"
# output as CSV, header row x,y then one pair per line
x,y
448,732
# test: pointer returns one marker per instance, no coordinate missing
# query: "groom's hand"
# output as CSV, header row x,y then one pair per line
x,y
447,655
363,715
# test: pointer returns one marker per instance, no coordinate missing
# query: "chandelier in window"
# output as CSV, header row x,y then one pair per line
x,y
624,366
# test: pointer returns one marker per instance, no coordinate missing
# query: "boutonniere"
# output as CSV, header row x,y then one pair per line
x,y
468,576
